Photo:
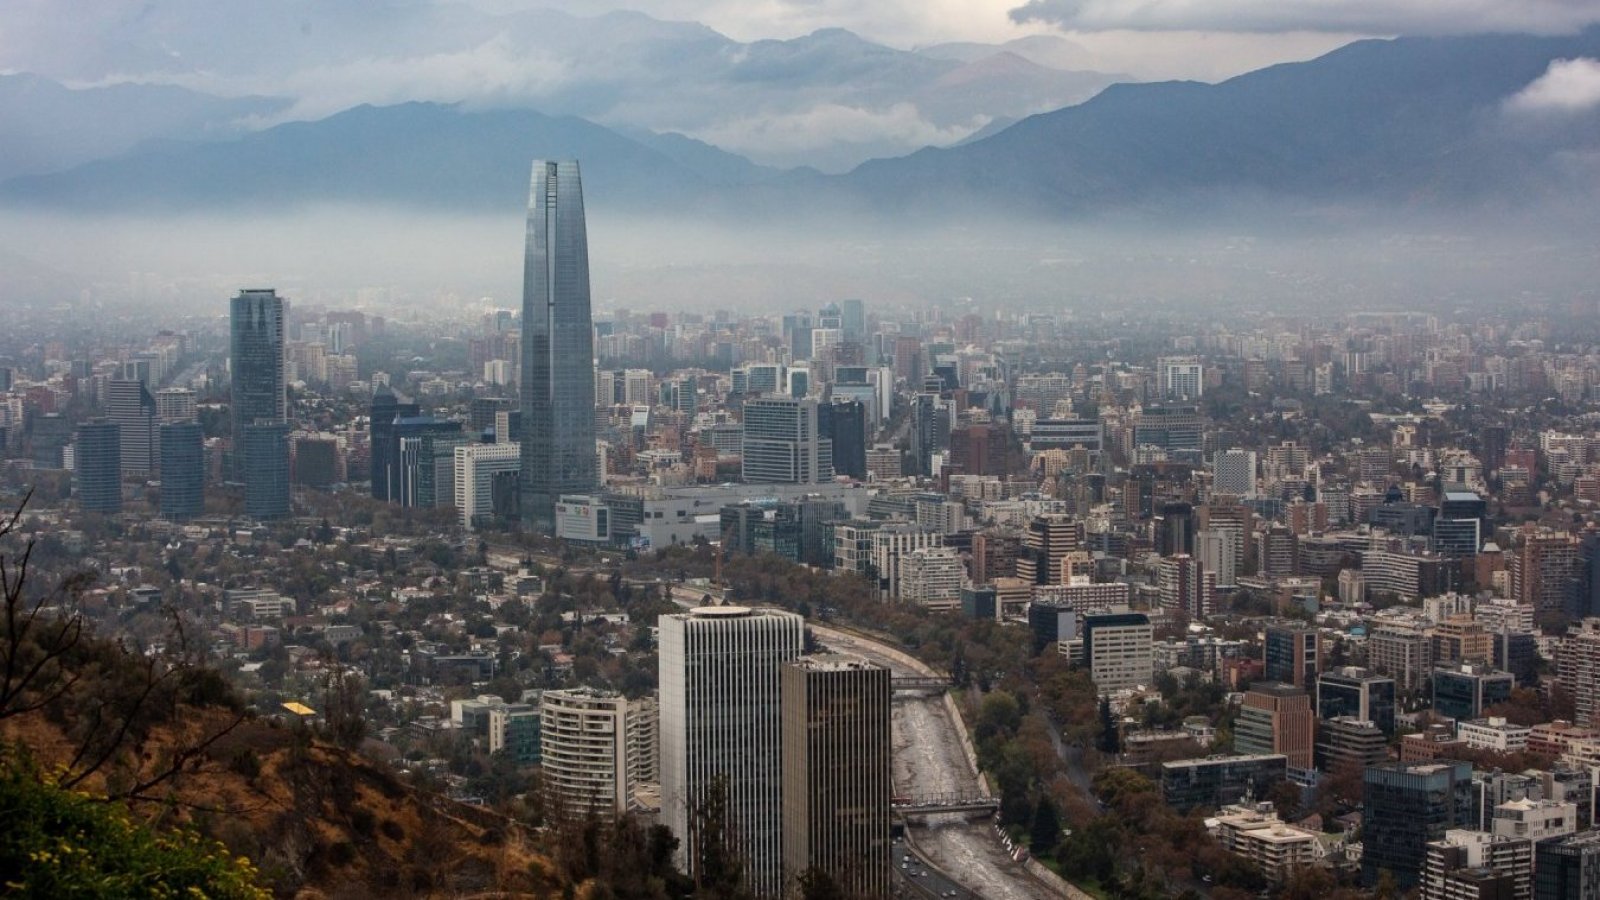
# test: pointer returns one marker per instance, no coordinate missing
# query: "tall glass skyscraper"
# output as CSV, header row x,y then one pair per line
x,y
260,394
558,449
97,477
183,470
266,481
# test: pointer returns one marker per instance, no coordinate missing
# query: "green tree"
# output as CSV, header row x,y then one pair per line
x,y
1110,739
817,884
1045,832
1000,714
718,868
1090,852
58,843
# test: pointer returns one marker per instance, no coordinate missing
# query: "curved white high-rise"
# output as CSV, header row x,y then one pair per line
x,y
584,752
558,450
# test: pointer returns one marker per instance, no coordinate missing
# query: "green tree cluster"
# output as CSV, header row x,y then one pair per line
x,y
60,843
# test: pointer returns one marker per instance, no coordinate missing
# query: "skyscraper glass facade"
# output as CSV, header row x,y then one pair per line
x,y
256,356
183,471
98,473
266,481
558,448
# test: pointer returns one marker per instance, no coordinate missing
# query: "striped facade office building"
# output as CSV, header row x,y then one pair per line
x,y
837,772
722,723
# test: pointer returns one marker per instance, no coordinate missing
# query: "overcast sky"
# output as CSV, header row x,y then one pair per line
x,y
907,23
1205,39
1183,52
1148,38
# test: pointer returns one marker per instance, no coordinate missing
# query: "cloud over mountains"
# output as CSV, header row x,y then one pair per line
x,y
1567,86
829,98
1409,17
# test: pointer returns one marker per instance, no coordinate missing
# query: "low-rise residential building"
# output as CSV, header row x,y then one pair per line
x,y
1475,865
1534,820
1273,846
1493,733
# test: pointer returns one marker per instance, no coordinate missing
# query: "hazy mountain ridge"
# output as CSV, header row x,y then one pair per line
x,y
49,126
420,154
1410,123
829,99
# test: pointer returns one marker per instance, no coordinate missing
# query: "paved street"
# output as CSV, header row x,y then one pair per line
x,y
928,759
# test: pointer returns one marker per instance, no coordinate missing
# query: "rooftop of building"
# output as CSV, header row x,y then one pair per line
x,y
1498,723
1417,767
834,662
581,693
1527,804
1277,689
1582,838
1223,759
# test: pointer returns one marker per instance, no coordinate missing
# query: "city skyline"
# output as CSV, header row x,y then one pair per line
x,y
967,467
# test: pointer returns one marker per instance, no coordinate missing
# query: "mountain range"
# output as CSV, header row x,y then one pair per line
x,y
1429,123
829,99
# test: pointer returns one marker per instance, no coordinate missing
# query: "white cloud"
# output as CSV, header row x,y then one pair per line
x,y
1567,86
899,23
1373,17
830,135
492,73
1199,55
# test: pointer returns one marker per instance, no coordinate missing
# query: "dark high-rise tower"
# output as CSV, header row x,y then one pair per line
x,y
183,470
386,410
260,394
836,772
266,481
558,450
97,474
1408,805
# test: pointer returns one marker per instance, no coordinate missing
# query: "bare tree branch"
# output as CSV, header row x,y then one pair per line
x,y
30,650
42,669
179,761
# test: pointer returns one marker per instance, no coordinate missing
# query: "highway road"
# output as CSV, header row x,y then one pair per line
x,y
929,759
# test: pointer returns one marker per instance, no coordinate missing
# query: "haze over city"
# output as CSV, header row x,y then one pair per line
x,y
186,141
800,449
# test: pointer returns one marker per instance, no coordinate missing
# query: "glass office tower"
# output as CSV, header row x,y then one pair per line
x,y
266,481
260,389
97,476
558,449
183,471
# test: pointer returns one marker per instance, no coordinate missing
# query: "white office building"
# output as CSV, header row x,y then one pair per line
x,y
721,718
932,577
476,466
1218,550
1119,649
175,405
782,444
1182,378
